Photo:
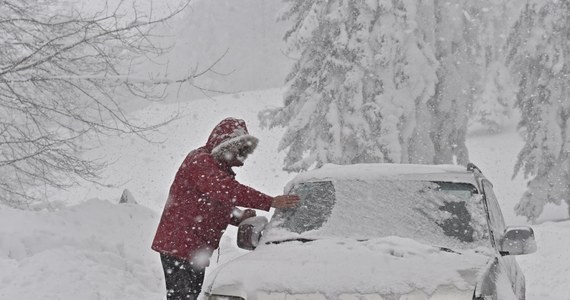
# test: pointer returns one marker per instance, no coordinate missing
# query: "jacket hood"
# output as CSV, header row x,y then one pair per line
x,y
231,135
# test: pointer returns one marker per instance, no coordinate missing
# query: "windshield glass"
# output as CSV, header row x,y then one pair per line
x,y
443,214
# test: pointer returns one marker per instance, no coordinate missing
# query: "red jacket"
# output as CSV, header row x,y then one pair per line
x,y
203,196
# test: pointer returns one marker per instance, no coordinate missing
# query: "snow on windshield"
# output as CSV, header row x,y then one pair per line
x,y
444,214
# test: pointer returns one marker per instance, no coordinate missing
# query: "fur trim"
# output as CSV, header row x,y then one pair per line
x,y
246,143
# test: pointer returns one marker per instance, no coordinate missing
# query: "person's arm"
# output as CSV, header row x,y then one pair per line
x,y
217,184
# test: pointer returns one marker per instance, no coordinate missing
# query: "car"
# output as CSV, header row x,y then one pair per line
x,y
380,231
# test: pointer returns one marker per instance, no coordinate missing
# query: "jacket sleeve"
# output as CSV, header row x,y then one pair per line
x,y
235,220
217,184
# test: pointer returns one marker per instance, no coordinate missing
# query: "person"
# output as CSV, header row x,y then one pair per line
x,y
202,203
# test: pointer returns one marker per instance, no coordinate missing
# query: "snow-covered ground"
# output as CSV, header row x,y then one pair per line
x,y
90,247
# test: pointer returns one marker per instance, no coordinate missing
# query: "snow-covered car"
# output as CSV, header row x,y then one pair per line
x,y
380,231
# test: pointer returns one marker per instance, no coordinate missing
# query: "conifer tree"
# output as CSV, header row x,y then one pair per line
x,y
539,54
494,102
382,81
459,50
353,95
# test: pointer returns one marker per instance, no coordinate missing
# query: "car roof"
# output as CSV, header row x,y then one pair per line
x,y
376,171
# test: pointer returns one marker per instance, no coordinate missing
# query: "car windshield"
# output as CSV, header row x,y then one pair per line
x,y
443,214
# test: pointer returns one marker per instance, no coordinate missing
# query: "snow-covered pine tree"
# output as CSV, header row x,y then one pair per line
x,y
494,103
459,52
360,90
539,54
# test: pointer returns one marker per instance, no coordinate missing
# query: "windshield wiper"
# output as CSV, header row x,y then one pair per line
x,y
302,240
445,249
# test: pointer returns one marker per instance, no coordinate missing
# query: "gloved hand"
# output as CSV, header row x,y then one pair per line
x,y
248,213
239,215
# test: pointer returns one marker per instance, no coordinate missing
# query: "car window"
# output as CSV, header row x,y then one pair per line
x,y
495,214
459,189
458,223
315,207
441,213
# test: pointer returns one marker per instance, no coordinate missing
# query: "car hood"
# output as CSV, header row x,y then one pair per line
x,y
389,266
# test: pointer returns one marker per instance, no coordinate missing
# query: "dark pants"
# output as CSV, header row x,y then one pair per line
x,y
183,280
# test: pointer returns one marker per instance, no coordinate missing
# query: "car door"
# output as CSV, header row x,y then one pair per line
x,y
498,226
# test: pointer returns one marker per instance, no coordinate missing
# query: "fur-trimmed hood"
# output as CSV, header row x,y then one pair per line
x,y
231,134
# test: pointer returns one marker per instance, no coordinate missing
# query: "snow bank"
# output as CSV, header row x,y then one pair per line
x,y
94,250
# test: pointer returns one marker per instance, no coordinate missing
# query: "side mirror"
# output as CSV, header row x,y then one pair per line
x,y
517,241
249,232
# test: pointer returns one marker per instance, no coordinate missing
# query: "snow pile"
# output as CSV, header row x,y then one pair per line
x,y
95,250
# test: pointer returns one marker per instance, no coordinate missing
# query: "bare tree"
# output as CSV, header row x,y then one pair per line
x,y
61,78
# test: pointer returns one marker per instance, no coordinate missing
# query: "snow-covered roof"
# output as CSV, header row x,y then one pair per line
x,y
332,172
